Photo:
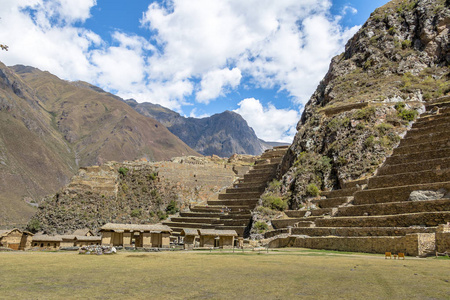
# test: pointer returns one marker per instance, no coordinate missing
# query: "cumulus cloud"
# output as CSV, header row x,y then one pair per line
x,y
214,82
198,50
284,44
270,124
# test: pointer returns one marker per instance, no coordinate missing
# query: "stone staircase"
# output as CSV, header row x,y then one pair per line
x,y
398,210
232,210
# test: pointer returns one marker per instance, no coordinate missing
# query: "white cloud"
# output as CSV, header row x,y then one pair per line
x,y
286,44
270,124
199,50
213,83
348,8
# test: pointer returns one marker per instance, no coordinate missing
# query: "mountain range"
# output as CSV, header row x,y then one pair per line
x,y
222,134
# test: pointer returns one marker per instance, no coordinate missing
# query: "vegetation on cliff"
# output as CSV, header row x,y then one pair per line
x,y
396,62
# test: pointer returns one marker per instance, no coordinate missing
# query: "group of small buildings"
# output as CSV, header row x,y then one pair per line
x,y
119,235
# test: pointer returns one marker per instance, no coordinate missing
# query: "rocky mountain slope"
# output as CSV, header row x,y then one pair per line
x,y
397,61
49,127
222,134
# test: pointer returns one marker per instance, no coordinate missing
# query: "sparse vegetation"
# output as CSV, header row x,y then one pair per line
x,y
312,190
274,202
123,171
172,207
261,227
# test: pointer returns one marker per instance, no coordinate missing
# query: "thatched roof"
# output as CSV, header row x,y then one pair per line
x,y
47,238
189,231
88,238
72,237
8,231
216,232
83,232
136,227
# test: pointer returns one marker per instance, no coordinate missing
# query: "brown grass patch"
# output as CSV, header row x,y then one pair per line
x,y
283,274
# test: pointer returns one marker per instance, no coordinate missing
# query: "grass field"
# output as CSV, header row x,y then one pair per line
x,y
283,274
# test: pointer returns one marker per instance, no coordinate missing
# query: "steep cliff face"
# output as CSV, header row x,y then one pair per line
x,y
396,62
221,134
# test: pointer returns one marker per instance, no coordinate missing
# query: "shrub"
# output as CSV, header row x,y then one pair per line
x,y
399,106
364,113
406,44
274,202
392,31
34,225
161,215
152,176
312,190
136,213
408,114
124,187
123,171
172,207
261,227
383,128
369,142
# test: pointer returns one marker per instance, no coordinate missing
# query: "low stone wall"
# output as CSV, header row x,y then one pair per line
x,y
412,244
394,208
443,242
361,231
428,219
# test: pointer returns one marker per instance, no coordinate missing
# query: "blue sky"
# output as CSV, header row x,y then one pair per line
x,y
260,58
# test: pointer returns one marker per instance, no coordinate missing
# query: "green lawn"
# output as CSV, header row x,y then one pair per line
x,y
282,274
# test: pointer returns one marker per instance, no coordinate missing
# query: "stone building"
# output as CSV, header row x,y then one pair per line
x,y
134,235
217,238
15,239
190,238
46,242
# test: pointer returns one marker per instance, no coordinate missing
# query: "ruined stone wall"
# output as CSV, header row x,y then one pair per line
x,y
412,244
443,239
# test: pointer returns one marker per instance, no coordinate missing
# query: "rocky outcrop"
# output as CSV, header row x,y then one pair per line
x,y
395,64
134,192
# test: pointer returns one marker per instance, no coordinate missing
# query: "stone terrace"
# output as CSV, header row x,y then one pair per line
x,y
398,210
232,209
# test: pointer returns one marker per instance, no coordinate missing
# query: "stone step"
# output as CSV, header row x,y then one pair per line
x,y
257,179
436,120
360,231
394,208
237,217
189,225
245,190
438,103
433,164
264,171
295,213
239,196
314,212
240,202
395,194
430,113
240,230
284,223
190,214
417,156
266,166
220,208
354,183
340,193
250,185
422,147
331,202
417,132
267,161
428,176
201,220
236,222
425,138
428,219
